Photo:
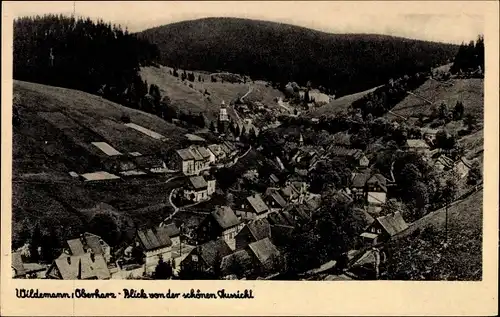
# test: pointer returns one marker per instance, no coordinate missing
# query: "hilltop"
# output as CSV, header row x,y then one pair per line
x,y
344,63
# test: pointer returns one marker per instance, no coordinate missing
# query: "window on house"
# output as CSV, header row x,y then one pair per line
x,y
194,258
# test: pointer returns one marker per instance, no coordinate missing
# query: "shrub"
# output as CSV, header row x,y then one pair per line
x,y
125,118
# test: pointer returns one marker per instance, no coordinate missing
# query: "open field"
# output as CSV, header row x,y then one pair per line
x,y
59,125
338,105
55,135
193,99
469,91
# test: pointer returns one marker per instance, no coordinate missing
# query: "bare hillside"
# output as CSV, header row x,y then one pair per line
x,y
194,99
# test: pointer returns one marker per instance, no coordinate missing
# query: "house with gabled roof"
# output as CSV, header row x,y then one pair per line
x,y
417,146
355,156
266,253
89,243
295,191
185,161
196,189
443,163
217,152
223,223
173,232
384,228
257,208
155,243
253,231
274,200
206,257
240,263
17,265
376,190
86,266
151,164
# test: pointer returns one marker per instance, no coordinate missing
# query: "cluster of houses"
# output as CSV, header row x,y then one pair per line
x,y
194,159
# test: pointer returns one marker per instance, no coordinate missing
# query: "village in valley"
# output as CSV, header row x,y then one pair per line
x,y
215,175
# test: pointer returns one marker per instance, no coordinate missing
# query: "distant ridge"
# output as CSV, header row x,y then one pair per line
x,y
344,63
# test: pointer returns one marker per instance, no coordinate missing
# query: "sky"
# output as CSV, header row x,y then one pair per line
x,y
433,21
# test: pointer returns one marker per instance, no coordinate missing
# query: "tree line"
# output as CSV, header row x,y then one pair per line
x,y
342,63
469,56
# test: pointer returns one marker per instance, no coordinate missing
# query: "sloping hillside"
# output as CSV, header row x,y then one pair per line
x,y
340,104
60,124
346,63
469,91
424,257
187,98
53,135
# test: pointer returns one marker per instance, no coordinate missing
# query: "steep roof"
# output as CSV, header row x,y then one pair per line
x,y
216,150
365,218
341,138
212,249
276,218
416,143
300,212
378,179
204,152
274,178
172,230
393,223
229,145
196,155
242,259
313,203
225,217
149,161
225,149
83,266
185,154
359,180
17,264
263,250
428,131
154,238
275,195
198,182
260,229
258,205
445,161
345,152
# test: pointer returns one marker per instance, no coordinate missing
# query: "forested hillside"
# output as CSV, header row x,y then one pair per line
x,y
92,56
342,63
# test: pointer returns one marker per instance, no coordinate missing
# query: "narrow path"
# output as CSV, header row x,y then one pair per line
x,y
282,104
397,115
420,97
239,157
250,89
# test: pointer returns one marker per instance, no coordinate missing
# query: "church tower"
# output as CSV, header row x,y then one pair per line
x,y
223,124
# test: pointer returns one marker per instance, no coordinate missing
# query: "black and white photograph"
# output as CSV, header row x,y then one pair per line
x,y
178,142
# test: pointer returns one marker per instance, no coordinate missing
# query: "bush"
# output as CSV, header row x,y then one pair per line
x,y
125,118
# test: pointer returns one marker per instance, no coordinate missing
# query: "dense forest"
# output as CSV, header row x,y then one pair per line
x,y
470,56
343,63
92,56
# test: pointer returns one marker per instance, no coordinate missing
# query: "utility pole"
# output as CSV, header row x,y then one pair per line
x,y
446,224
